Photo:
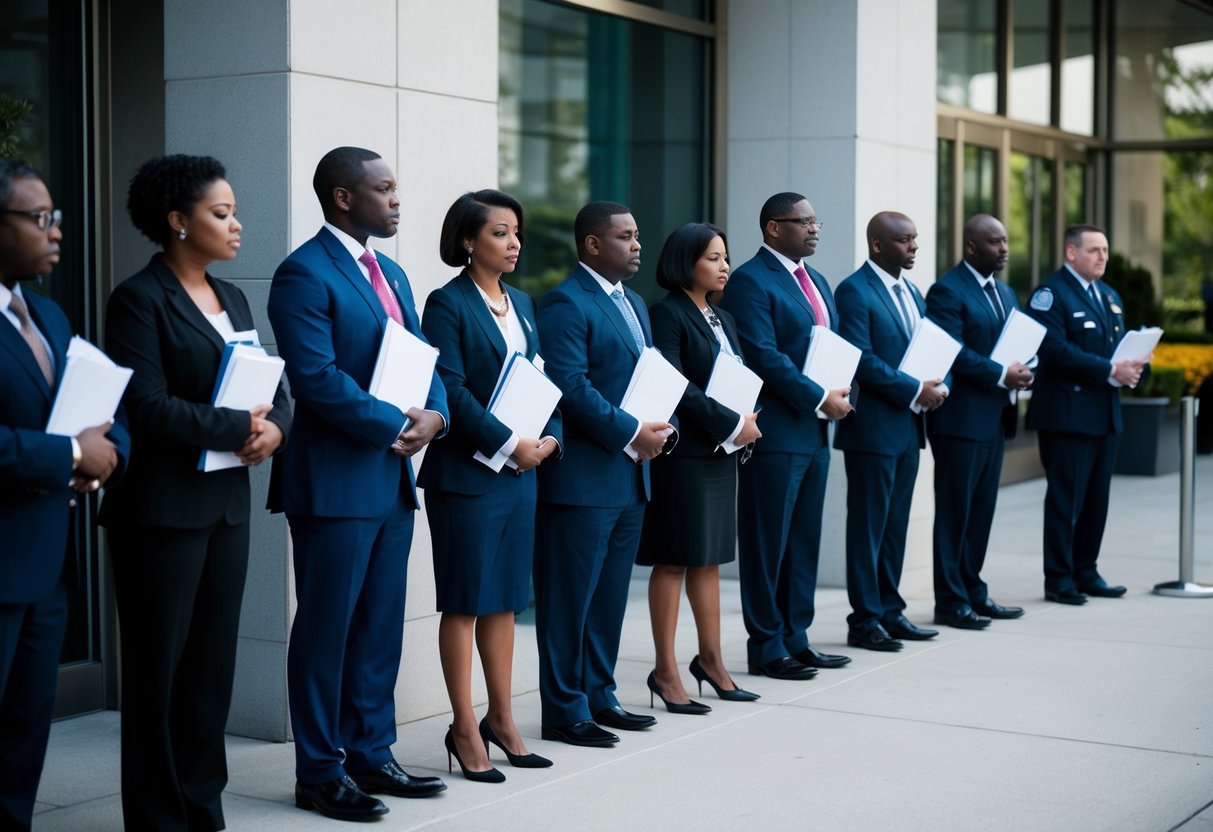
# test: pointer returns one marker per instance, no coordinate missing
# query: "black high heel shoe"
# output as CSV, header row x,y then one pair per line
x,y
490,776
734,695
691,707
516,760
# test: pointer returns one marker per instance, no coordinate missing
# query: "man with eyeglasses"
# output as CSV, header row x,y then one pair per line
x,y
777,300
39,475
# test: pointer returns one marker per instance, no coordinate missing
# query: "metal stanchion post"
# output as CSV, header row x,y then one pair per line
x,y
1185,587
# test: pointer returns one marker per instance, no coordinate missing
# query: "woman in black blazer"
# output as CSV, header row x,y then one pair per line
x,y
179,537
691,521
482,522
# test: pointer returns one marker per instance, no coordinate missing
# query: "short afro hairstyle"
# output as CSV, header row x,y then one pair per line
x,y
166,184
11,169
465,219
594,219
777,205
682,250
341,167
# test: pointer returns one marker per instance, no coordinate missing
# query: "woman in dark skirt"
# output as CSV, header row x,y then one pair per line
x,y
482,522
691,521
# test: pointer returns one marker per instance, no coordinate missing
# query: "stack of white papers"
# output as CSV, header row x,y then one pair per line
x,y
1020,339
248,378
404,369
735,386
654,392
523,402
1137,344
831,361
931,352
89,393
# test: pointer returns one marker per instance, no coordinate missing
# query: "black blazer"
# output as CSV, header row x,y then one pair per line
x,y
154,327
684,338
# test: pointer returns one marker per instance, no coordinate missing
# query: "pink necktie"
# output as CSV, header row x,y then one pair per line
x,y
802,277
388,300
41,357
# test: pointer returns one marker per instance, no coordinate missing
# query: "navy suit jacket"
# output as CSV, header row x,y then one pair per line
x,y
590,355
153,327
35,467
775,322
329,323
686,340
1071,393
472,353
975,402
882,422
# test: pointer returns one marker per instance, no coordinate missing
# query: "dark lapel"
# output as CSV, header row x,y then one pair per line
x,y
823,289
1075,286
182,305
11,340
786,281
682,301
976,294
481,314
348,267
233,305
604,302
878,288
525,308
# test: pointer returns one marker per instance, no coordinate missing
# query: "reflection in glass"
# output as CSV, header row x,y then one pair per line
x,y
943,209
1078,69
1187,260
1031,78
967,54
1030,222
596,107
1075,193
979,180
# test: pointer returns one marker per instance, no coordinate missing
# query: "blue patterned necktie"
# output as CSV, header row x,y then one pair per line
x,y
629,315
905,310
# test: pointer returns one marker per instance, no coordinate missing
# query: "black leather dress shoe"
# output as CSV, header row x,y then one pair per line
x,y
873,637
617,717
811,658
902,627
992,609
783,668
1102,590
580,733
962,620
392,779
1066,596
340,799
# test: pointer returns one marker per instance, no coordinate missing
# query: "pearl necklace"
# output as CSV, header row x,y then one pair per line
x,y
498,309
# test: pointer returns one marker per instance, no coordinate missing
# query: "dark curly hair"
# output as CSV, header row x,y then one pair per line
x,y
466,217
166,184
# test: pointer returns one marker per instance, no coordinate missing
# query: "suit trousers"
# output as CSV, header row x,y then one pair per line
x,y
780,499
583,563
879,491
345,647
966,492
31,636
1078,469
179,593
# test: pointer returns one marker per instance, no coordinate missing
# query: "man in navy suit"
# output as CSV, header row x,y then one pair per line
x,y
38,473
967,436
777,300
879,309
346,483
1075,409
592,330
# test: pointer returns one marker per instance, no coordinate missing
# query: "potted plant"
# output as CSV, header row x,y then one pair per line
x,y
1150,444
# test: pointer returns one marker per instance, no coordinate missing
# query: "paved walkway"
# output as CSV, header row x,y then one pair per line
x,y
1088,718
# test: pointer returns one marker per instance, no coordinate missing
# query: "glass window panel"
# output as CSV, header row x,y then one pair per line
x,y
596,107
1030,222
1032,74
1078,69
943,212
1075,193
979,180
1163,74
698,9
967,54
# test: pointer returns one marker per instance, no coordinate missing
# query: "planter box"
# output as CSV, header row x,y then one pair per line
x,y
1150,444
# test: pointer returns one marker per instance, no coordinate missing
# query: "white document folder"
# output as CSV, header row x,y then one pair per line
x,y
248,378
1137,344
654,392
523,401
931,352
89,392
1019,340
831,361
735,386
404,369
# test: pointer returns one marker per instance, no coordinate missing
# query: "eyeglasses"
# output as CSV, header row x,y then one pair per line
x,y
44,219
803,222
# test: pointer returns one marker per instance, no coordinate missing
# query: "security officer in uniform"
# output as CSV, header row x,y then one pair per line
x,y
1075,407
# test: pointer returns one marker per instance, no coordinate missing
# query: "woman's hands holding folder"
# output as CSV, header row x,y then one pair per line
x,y
264,437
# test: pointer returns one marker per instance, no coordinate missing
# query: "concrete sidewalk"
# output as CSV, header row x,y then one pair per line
x,y
1072,718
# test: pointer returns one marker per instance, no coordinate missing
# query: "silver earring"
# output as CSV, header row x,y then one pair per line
x,y
181,234
469,255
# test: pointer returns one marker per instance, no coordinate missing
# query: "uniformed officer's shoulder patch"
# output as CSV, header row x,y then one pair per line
x,y
1042,299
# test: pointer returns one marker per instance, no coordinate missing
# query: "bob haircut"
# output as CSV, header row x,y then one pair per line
x,y
166,184
465,219
682,249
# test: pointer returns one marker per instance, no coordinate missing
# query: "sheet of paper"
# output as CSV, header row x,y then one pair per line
x,y
404,369
831,361
1019,340
248,378
89,392
735,386
654,392
523,402
931,352
1137,344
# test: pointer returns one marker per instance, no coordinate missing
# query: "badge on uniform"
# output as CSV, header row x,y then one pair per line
x,y
1116,310
1042,301
1088,324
